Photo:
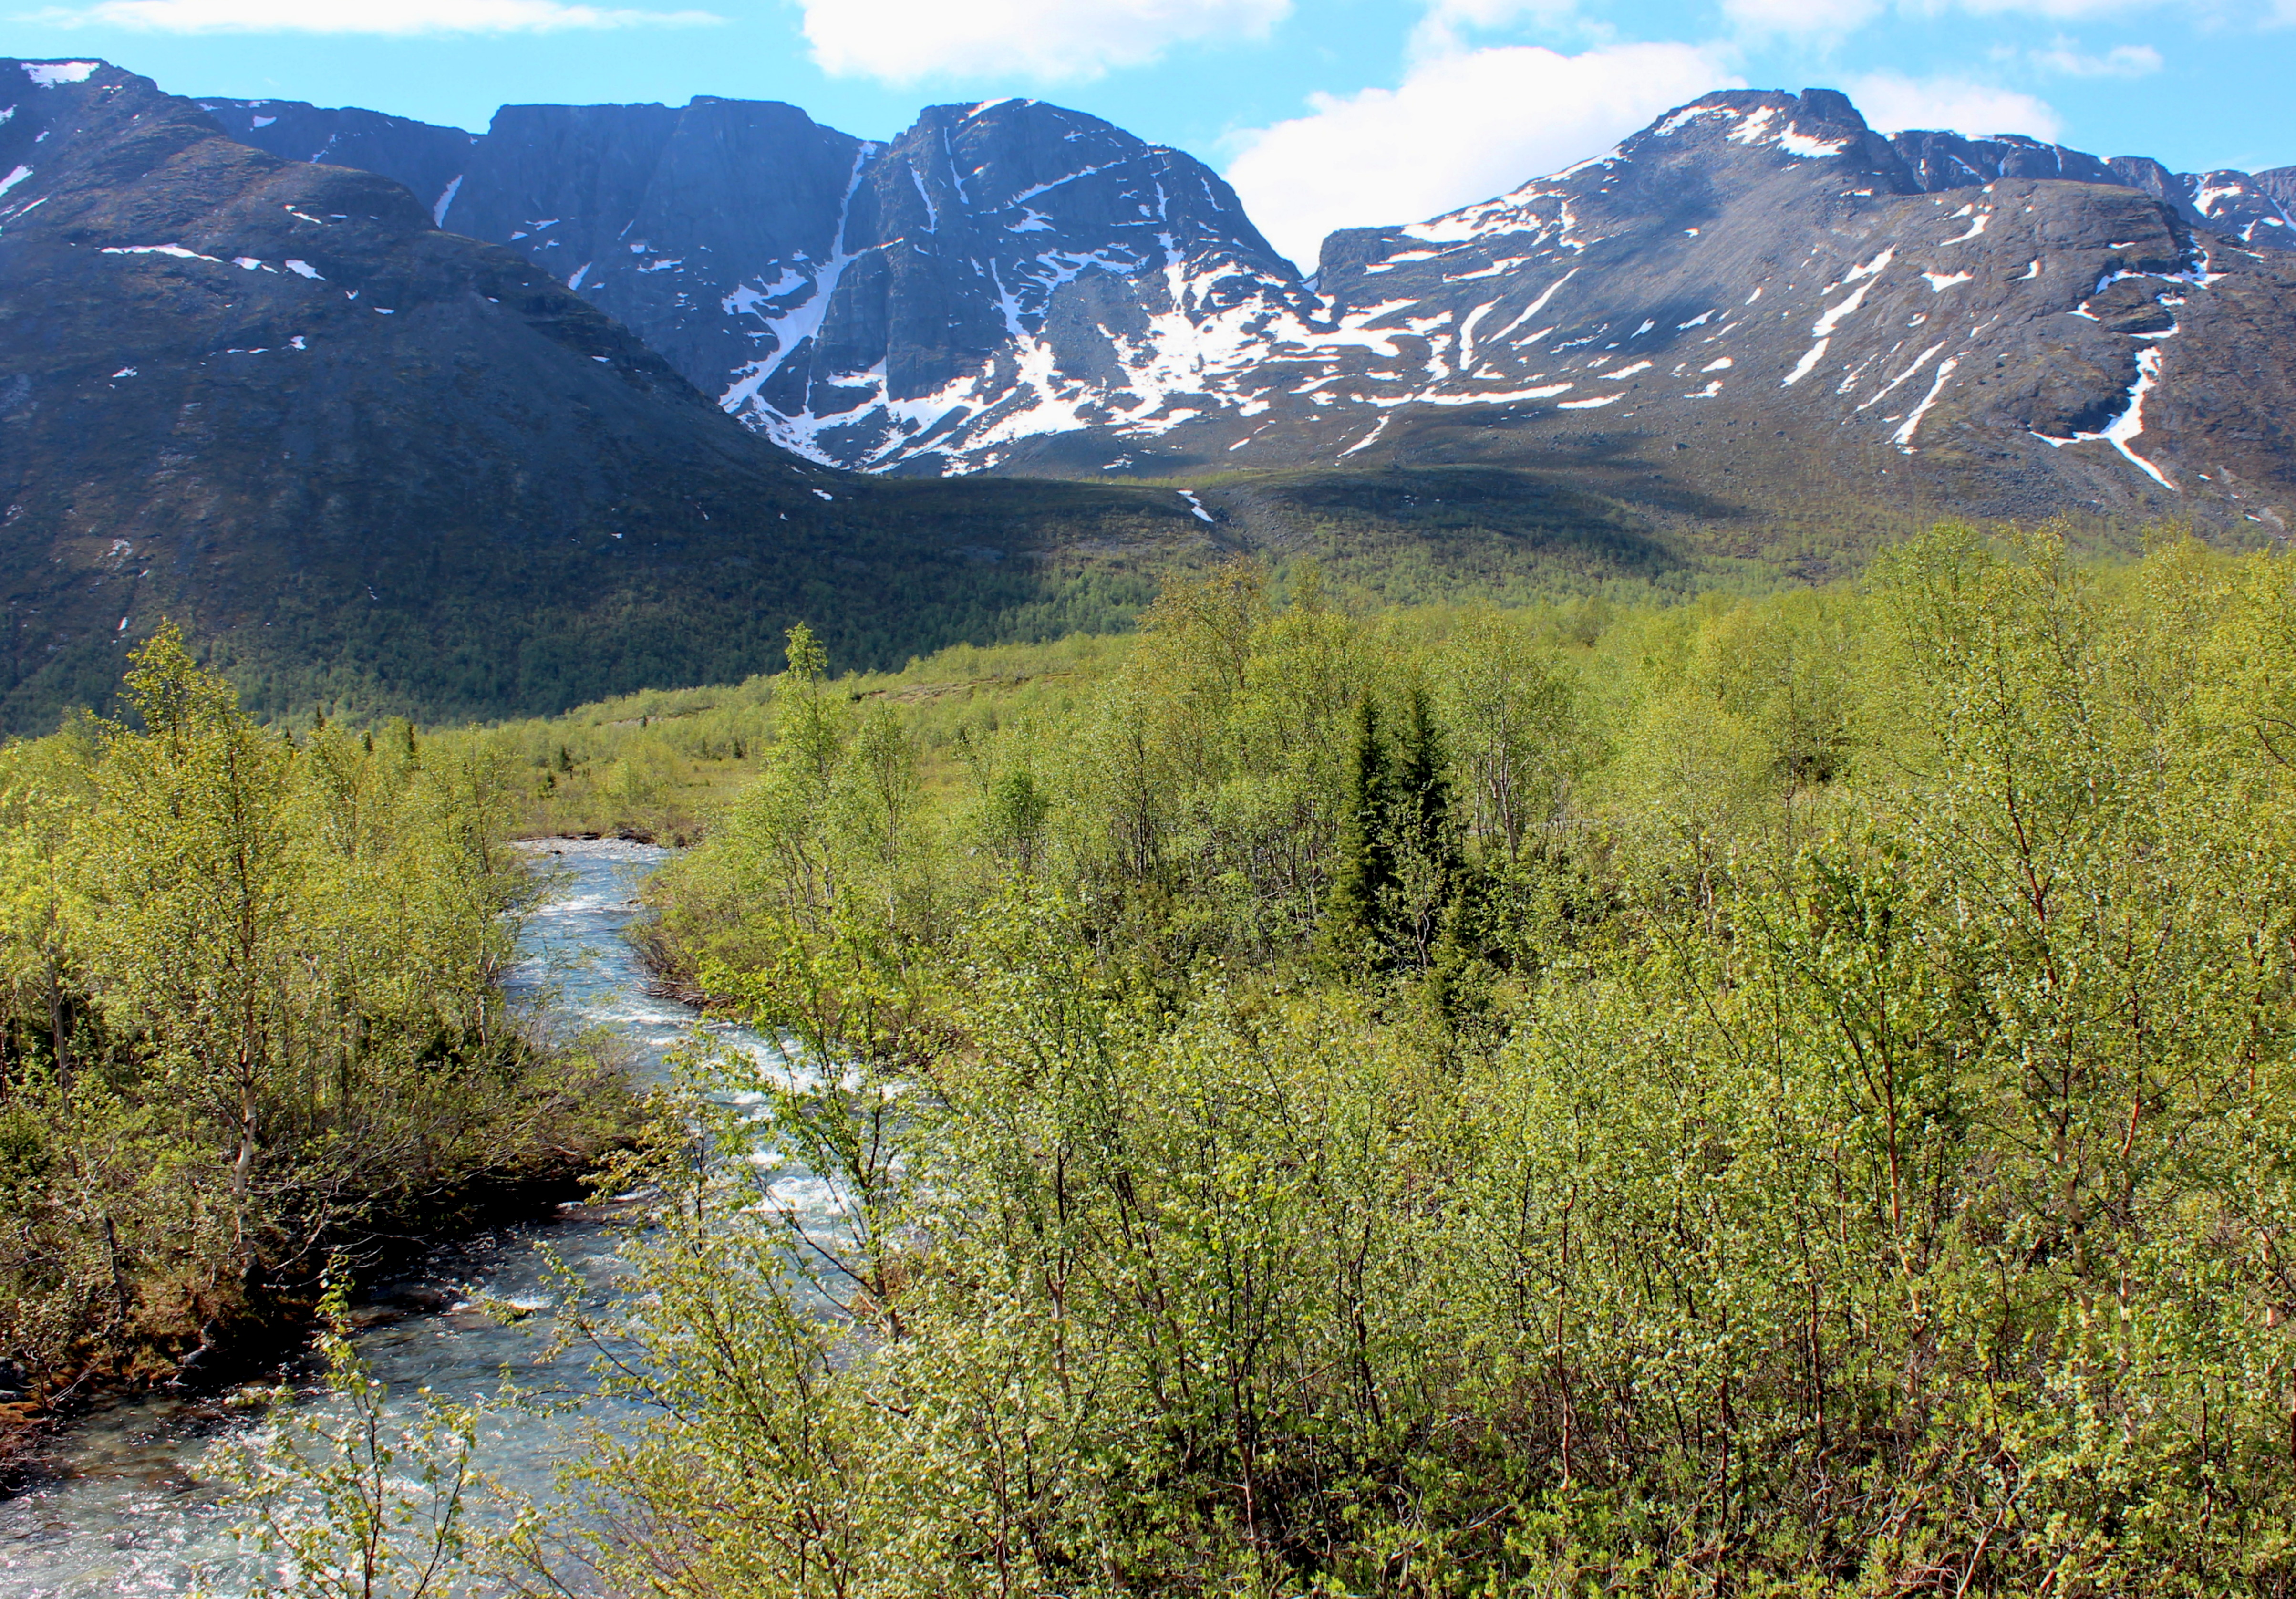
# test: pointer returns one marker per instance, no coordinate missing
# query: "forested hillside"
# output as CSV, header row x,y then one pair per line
x,y
1773,1096
372,466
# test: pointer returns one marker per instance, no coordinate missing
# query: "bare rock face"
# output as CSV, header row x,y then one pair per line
x,y
1982,325
1941,160
930,303
274,401
426,159
1757,294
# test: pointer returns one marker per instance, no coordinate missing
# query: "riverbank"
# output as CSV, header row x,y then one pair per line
x,y
257,1018
187,1322
665,837
194,1340
116,1503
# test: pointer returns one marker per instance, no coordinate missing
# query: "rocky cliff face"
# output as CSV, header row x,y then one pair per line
x,y
2251,208
1021,287
271,398
427,159
996,272
1757,297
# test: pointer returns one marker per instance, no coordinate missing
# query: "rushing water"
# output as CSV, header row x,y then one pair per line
x,y
115,1505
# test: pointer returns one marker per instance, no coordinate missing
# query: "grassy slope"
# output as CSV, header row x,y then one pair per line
x,y
656,764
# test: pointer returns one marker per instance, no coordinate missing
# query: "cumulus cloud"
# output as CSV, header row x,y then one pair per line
x,y
1834,19
390,17
2122,60
1892,101
1459,129
1444,22
1801,17
2063,11
900,41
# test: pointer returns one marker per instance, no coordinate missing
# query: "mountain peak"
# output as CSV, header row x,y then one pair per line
x,y
1829,107
262,384
1014,283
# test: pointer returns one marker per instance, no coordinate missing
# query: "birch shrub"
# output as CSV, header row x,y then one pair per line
x,y
253,1012
1870,1178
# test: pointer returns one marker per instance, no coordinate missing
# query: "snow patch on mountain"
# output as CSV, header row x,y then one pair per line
x,y
1005,276
49,74
2129,424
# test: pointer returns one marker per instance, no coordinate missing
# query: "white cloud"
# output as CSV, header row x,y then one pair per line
x,y
1441,28
1460,129
1834,18
2063,11
394,17
900,41
2122,60
1801,17
1892,101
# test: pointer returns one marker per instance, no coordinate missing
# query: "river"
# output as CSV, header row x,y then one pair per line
x,y
115,1505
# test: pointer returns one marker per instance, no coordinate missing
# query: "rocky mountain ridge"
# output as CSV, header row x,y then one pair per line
x,y
2257,207
1013,286
379,461
926,300
384,464
1753,299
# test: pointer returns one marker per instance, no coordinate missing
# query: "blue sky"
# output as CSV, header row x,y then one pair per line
x,y
1323,113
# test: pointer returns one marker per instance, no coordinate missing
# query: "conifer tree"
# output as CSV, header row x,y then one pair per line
x,y
1420,804
1422,845
1364,879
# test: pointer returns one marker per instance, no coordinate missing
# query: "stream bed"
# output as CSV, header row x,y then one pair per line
x,y
115,1504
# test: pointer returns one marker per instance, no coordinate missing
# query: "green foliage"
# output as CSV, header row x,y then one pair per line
x,y
1803,1106
1807,1112
342,1499
453,624
450,624
1364,879
250,1010
1464,534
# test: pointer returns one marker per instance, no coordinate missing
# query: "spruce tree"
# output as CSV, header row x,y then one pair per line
x,y
1364,882
1422,844
1420,806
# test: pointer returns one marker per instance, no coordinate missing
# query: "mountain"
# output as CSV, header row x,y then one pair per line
x,y
373,462
2251,208
1016,287
503,465
996,270
425,159
1756,299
